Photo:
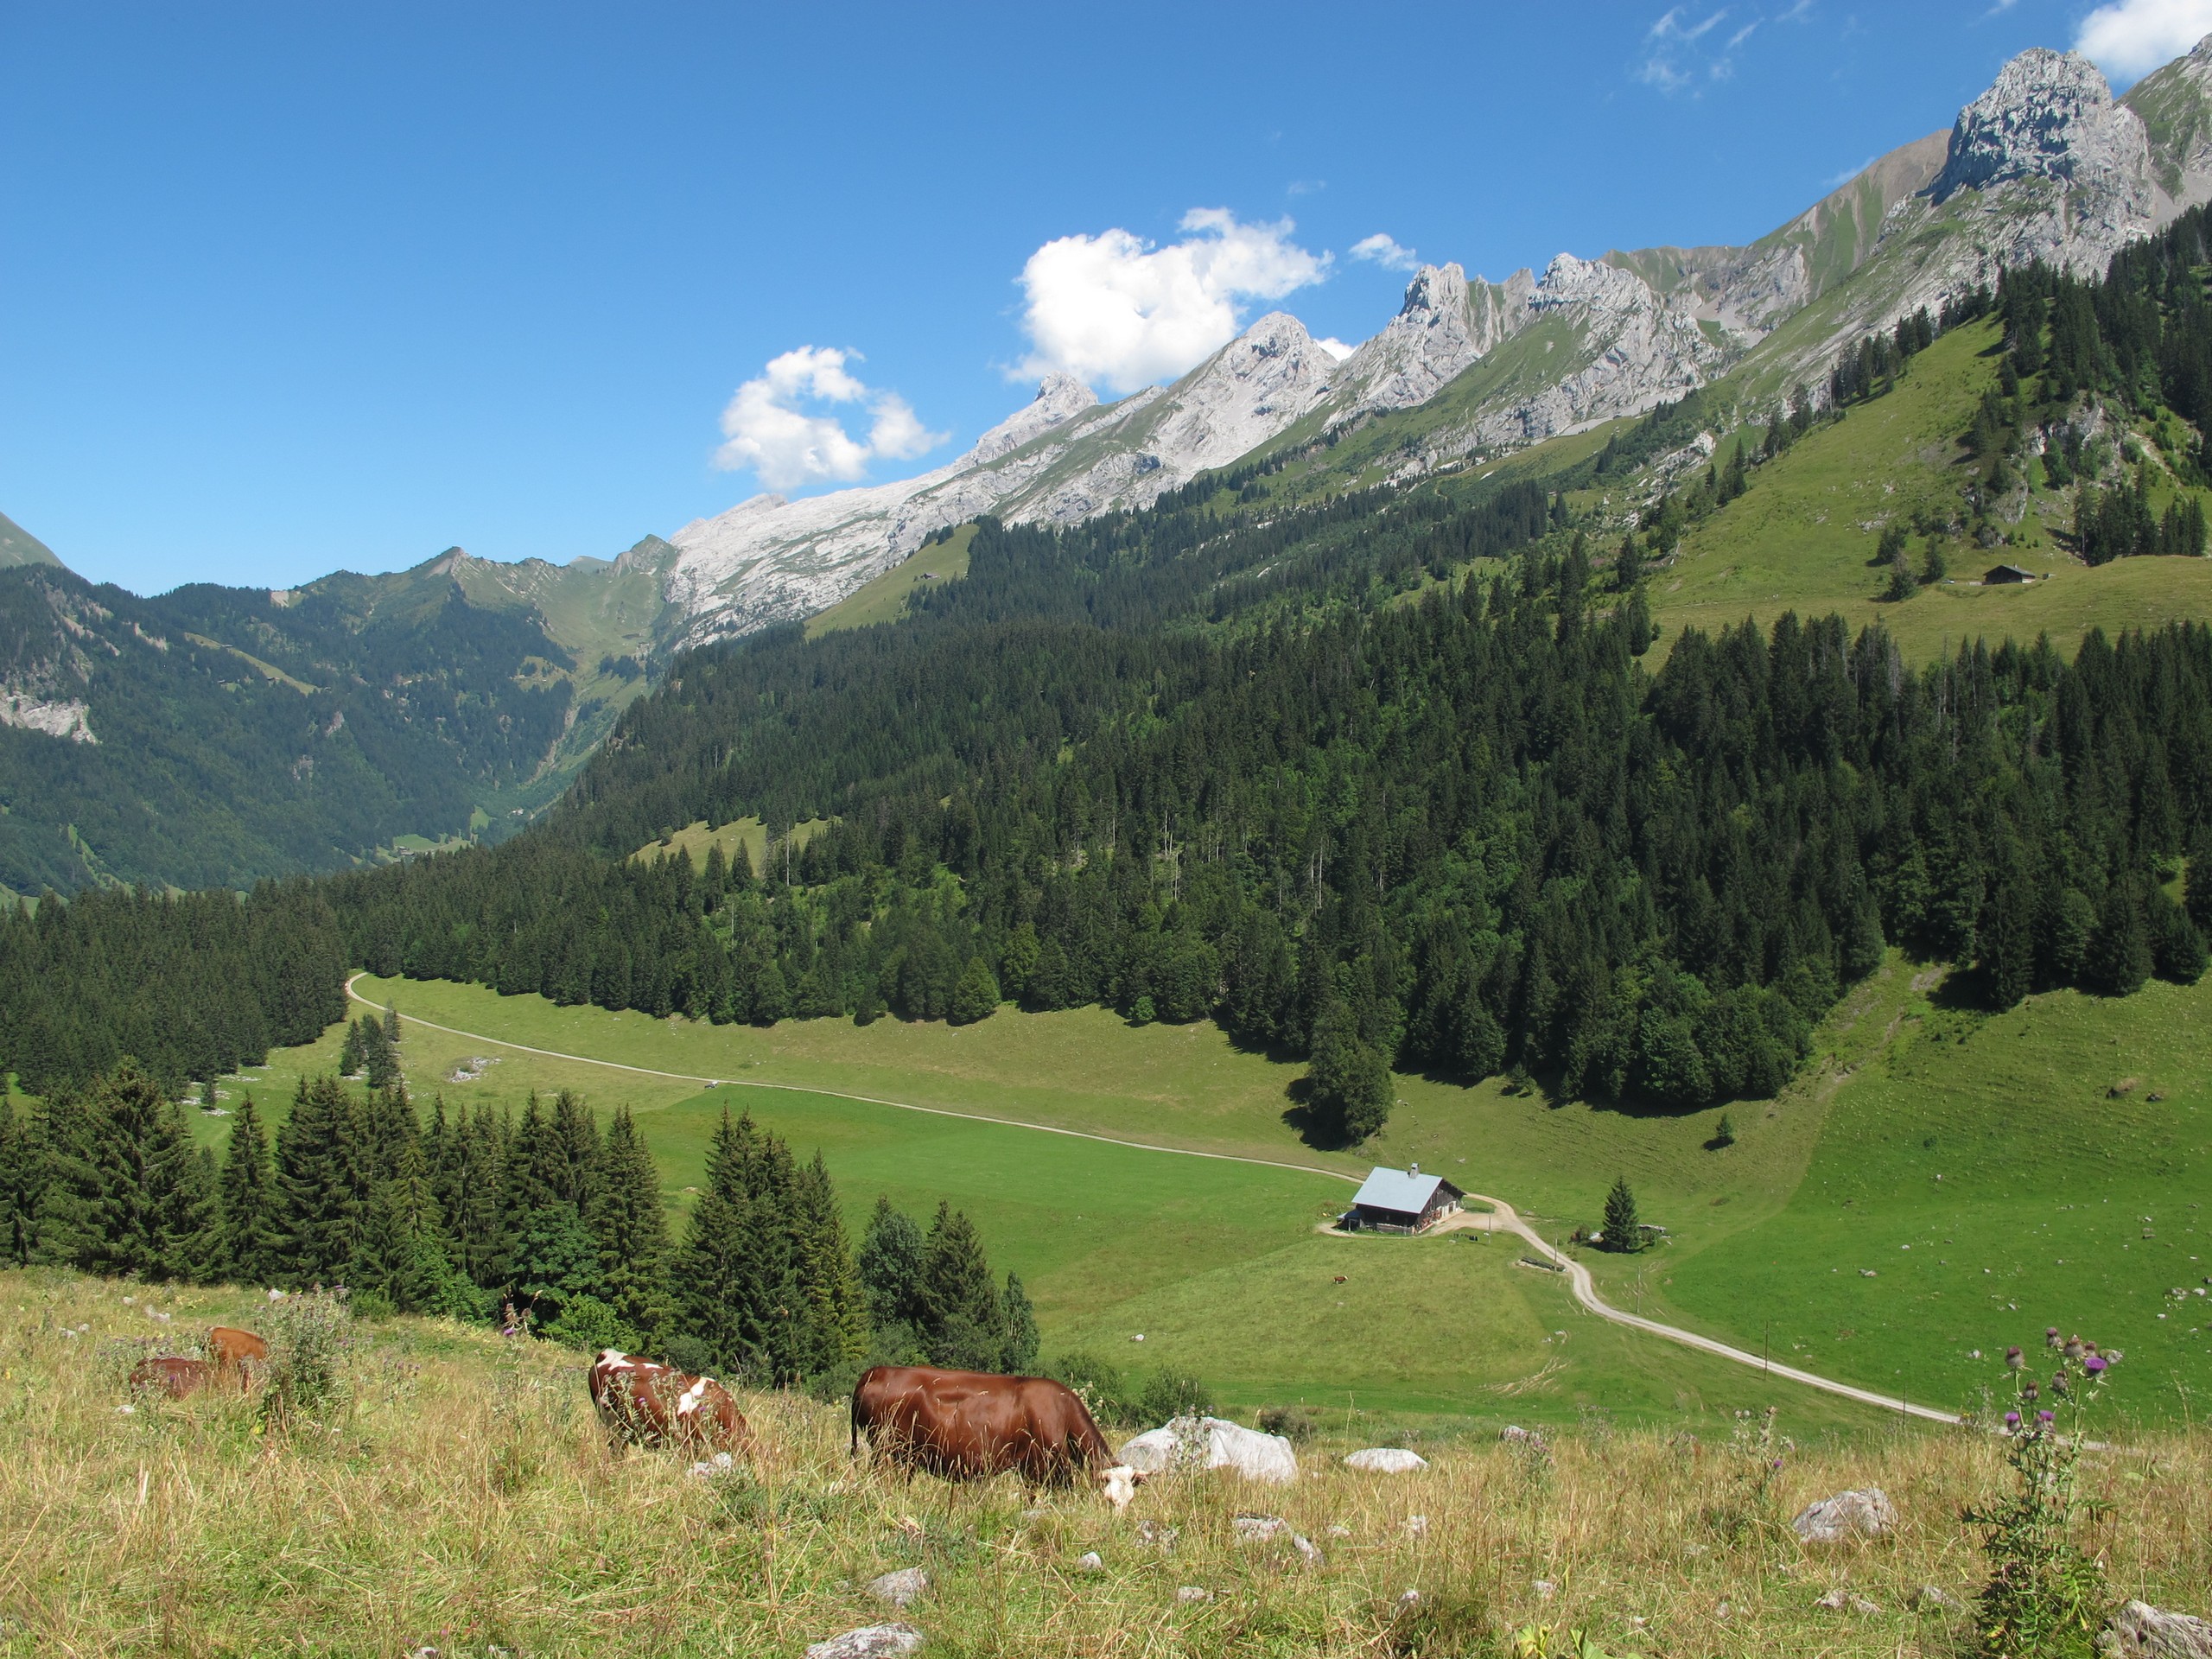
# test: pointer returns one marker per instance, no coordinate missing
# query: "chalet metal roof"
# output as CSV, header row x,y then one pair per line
x,y
1397,1189
2000,572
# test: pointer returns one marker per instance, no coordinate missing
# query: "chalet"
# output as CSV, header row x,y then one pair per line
x,y
1400,1201
2002,574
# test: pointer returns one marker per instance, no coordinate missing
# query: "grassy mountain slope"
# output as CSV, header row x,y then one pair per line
x,y
19,546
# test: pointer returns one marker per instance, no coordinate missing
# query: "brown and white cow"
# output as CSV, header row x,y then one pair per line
x,y
650,1404
971,1425
173,1377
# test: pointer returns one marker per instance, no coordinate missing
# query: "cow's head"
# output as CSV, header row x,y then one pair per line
x,y
1119,1483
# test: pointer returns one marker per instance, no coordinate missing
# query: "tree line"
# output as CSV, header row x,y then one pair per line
x,y
546,1218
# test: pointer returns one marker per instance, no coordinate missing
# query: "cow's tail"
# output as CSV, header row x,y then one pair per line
x,y
856,1422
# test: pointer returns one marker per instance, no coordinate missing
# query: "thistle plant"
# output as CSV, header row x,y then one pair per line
x,y
2045,1595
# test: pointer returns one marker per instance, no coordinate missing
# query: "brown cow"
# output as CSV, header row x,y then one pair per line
x,y
231,1348
971,1425
652,1404
175,1377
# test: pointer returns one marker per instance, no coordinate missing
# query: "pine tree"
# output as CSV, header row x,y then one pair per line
x,y
712,1255
976,996
402,1255
1020,1319
837,1306
2196,886
476,1210
1624,1228
15,1184
2120,954
154,1212
891,1273
553,1256
250,1240
391,1025
633,1230
61,1199
323,1171
963,1320
1350,1082
577,1138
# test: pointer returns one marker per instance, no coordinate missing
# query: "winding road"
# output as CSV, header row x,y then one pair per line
x,y
1504,1215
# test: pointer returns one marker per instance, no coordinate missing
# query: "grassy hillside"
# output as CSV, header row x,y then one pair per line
x,y
884,597
1217,1263
457,1495
1802,537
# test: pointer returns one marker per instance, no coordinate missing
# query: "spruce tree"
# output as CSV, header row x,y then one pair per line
x,y
2120,954
976,996
837,1306
2196,885
890,1275
553,1256
252,1243
1624,1228
402,1255
576,1137
155,1208
712,1255
964,1321
1349,1081
14,1182
61,1200
633,1232
1020,1321
323,1182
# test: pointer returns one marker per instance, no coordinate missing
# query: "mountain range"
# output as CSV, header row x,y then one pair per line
x,y
459,696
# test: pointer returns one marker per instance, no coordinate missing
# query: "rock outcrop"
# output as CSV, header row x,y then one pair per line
x,y
1194,1443
1867,1513
2139,1630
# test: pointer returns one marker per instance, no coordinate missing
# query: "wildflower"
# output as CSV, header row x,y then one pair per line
x,y
2046,1416
2075,1348
2095,1364
2012,1420
2028,1391
2050,1337
2058,1382
2013,1360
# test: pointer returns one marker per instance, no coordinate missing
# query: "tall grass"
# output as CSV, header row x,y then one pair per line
x,y
457,1493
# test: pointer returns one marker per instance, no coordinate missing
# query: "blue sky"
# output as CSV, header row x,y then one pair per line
x,y
292,288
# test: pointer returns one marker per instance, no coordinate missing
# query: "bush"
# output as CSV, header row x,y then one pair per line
x,y
1172,1393
1099,1384
688,1354
1294,1423
309,1333
589,1325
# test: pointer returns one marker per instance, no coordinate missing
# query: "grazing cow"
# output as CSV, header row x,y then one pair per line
x,y
175,1377
652,1404
971,1425
234,1351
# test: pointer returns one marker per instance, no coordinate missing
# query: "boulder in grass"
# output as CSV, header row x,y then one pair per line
x,y
869,1641
899,1589
1192,1443
1259,1529
2139,1630
1847,1515
1386,1460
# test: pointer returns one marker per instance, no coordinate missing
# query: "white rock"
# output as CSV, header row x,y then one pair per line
x,y
901,1588
869,1641
1190,1442
1545,1588
2139,1630
1416,1526
1192,1594
1386,1460
707,1468
1158,1536
1089,1561
1932,1596
1867,1513
1258,1529
1308,1552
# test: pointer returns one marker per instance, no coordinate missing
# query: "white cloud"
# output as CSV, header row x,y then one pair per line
x,y
770,430
2132,37
1385,252
1113,308
1335,347
1675,58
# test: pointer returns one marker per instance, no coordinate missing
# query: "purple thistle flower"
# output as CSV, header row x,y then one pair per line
x,y
2028,1391
2013,1357
2046,1416
2058,1382
2011,1420
2095,1364
2050,1336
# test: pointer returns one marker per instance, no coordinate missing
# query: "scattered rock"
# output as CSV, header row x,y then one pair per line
x,y
1931,1598
1160,1538
869,1641
1338,1529
1386,1460
1259,1529
127,1411
1513,1431
1088,1561
1212,1443
1416,1526
901,1588
1867,1513
1191,1594
1308,1552
1863,1607
1544,1588
1840,1600
1408,1601
1031,1517
1722,1610
1693,1551
2139,1630
721,1464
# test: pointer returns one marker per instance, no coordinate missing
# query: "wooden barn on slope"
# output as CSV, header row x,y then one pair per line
x,y
1400,1201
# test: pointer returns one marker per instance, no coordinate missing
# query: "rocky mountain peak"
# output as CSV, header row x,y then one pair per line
x,y
1444,324
2047,115
1060,396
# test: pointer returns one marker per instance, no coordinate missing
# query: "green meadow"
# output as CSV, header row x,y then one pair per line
x,y
1802,537
1218,1265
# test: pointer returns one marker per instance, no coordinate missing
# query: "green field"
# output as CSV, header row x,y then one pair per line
x,y
1217,1263
884,597
1801,538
